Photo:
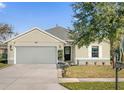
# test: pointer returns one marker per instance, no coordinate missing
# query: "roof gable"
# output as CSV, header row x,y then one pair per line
x,y
35,29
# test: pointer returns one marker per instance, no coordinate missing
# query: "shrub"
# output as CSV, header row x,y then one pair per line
x,y
60,54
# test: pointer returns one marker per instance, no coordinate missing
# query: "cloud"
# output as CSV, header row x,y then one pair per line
x,y
2,5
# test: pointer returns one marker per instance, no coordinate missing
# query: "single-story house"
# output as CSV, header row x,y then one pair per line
x,y
38,46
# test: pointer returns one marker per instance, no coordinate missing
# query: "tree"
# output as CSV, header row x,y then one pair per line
x,y
96,21
6,32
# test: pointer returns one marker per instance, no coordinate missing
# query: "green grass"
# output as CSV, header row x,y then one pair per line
x,y
91,72
3,65
92,85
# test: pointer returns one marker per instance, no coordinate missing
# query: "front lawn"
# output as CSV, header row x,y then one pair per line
x,y
3,65
93,85
91,72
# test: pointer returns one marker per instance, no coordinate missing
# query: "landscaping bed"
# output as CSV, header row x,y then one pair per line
x,y
2,65
93,85
91,72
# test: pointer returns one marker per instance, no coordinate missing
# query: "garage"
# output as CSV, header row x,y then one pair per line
x,y
35,46
36,55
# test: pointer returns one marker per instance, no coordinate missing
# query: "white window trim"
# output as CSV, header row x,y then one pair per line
x,y
90,51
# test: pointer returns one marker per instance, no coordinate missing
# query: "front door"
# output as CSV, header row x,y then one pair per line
x,y
67,53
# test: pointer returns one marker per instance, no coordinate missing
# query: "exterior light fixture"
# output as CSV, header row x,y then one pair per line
x,y
59,46
35,42
10,47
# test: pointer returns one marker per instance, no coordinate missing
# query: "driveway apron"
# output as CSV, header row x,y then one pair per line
x,y
30,77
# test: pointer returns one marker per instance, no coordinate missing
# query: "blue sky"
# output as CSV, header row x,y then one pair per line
x,y
23,16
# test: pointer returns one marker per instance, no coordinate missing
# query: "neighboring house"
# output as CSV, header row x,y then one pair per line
x,y
37,46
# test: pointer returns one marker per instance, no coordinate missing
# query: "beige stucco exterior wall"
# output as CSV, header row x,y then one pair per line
x,y
81,52
33,38
73,54
84,53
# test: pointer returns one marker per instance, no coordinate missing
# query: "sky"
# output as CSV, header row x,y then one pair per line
x,y
24,16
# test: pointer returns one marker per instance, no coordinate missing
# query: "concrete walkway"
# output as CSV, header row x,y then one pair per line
x,y
30,77
64,80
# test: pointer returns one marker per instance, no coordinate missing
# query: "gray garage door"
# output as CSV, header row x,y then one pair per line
x,y
36,55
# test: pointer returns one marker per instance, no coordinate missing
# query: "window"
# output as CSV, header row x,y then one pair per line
x,y
95,51
67,50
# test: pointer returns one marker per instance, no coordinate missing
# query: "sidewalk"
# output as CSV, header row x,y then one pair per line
x,y
64,80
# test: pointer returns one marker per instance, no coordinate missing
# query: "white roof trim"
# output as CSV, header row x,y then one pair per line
x,y
39,30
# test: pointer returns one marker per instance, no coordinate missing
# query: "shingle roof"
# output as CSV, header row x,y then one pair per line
x,y
59,32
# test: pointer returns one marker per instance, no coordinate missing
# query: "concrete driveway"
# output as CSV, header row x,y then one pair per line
x,y
30,77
